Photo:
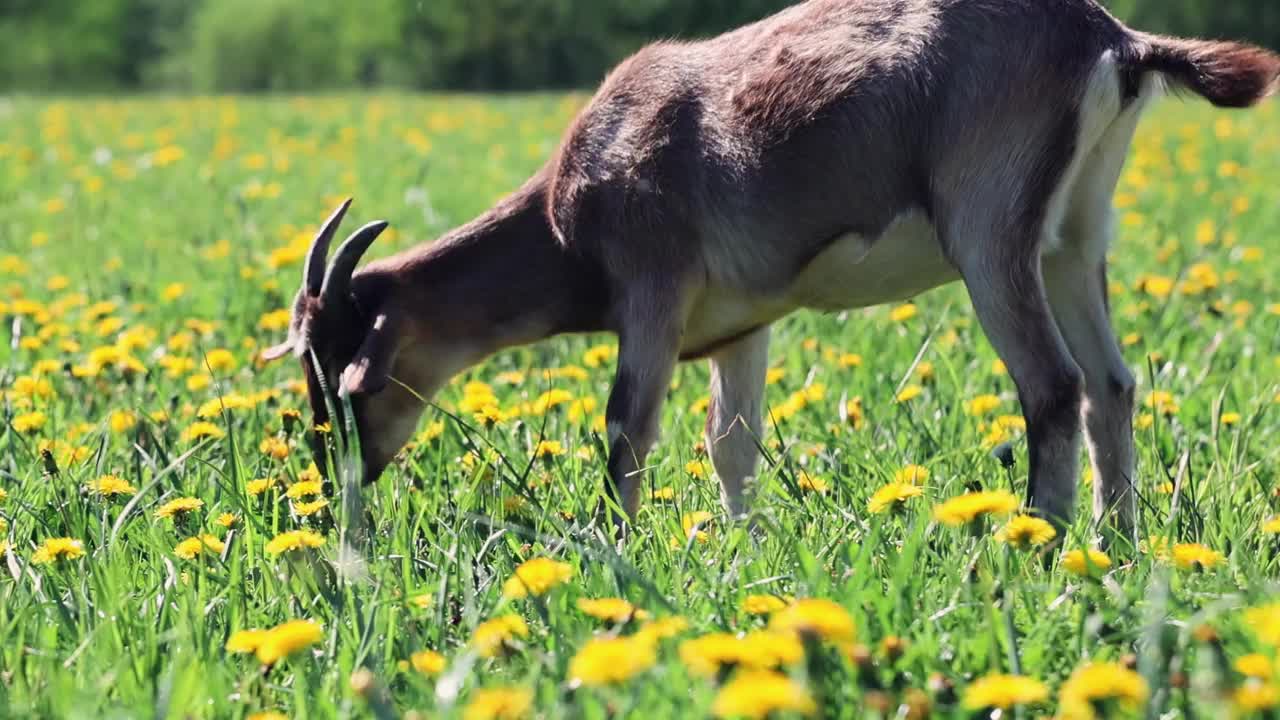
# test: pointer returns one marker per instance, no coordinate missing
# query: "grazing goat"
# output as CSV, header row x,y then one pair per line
x,y
839,154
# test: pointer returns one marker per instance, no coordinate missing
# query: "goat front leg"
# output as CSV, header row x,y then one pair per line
x,y
1005,285
649,335
733,417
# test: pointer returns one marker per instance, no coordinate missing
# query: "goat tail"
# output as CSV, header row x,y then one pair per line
x,y
1227,74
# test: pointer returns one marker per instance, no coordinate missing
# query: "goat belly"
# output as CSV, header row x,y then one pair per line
x,y
852,272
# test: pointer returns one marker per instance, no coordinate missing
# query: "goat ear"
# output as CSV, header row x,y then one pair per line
x,y
276,352
370,369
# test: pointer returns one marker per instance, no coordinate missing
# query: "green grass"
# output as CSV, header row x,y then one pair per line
x,y
117,202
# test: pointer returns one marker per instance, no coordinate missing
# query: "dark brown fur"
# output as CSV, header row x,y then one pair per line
x,y
731,165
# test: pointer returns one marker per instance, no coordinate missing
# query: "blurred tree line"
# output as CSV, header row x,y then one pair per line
x,y
260,45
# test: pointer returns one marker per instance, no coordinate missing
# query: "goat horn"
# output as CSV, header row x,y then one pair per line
x,y
337,281
314,275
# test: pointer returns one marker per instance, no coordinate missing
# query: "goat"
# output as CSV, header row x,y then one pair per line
x,y
839,154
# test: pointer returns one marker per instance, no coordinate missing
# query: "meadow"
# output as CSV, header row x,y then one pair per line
x,y
168,550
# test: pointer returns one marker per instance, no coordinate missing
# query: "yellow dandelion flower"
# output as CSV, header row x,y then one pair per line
x,y
198,382
697,469
972,506
893,496
914,474
122,421
1193,556
695,526
815,617
549,400
245,641
499,704
1004,692
226,520
172,292
286,639
489,415
1254,665
1272,526
615,610
547,449
275,448
267,715
767,649
1162,402
178,506
1157,286
304,489
307,509
193,546
812,484
433,431
294,540
903,313
496,636
1099,684
536,577
55,549
200,430
710,654
762,604
421,601
599,355
1264,621
220,360
108,485
607,661
427,662
28,423
1026,531
259,486
761,693
854,414
982,405
1086,563
1255,696
663,628
909,393
1157,546
707,654
274,321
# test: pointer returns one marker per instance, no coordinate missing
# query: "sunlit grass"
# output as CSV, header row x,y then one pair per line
x,y
171,553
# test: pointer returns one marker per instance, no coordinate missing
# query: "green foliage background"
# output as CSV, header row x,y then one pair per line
x,y
264,45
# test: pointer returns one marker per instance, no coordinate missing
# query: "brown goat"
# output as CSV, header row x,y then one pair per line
x,y
840,154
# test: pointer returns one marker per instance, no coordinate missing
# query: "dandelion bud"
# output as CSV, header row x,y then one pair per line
x,y
1004,453
916,705
362,682
879,703
894,647
944,691
1179,680
860,655
1206,634
49,463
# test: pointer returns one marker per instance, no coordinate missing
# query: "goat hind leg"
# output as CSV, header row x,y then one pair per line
x,y
1004,283
1078,293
